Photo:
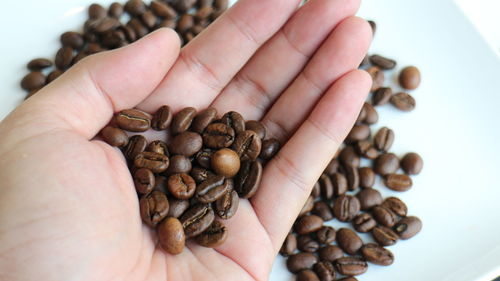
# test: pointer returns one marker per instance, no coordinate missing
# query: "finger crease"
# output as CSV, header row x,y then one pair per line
x,y
100,90
336,139
245,29
197,66
288,169
281,131
293,45
311,82
259,98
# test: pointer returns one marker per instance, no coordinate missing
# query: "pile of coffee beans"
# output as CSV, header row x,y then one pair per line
x,y
186,186
119,25
345,191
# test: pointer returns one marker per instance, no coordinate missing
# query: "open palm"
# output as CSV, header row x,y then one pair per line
x,y
68,208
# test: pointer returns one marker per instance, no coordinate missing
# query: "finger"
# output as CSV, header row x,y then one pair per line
x,y
339,54
211,60
278,62
288,178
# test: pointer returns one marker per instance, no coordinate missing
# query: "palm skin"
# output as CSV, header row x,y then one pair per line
x,y
68,209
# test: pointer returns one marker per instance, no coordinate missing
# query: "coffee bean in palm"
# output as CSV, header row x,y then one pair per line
x,y
384,236
257,127
114,136
409,78
300,261
352,176
158,146
136,145
377,254
177,207
384,139
371,115
133,120
339,183
163,10
203,119
349,241
412,163
357,133
378,77
307,244
366,177
171,236
308,206
162,118
197,219
39,64
269,148
369,198
182,120
351,266
308,224
96,11
396,206
235,121
330,253
349,157
325,235
346,207
33,81
213,236
385,164
364,223
403,101
408,227
213,188
218,135
204,157
200,174
248,179
227,205
398,182
181,186
382,62
156,162
225,162
144,181
384,216
366,149
247,145
322,210
307,275
326,187
153,207
54,75
289,245
186,143
179,164
381,96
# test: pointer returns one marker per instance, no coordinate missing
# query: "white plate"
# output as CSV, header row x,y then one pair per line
x,y
454,127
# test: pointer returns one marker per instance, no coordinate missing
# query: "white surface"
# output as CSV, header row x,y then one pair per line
x,y
454,128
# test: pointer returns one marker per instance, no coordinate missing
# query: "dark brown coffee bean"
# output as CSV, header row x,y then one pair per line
x,y
247,145
161,184
181,186
349,157
378,77
351,266
412,163
330,253
369,198
325,235
398,182
371,116
197,219
200,175
113,39
158,146
203,119
376,254
409,78
203,158
403,101
133,120
72,39
308,206
384,236
349,241
235,121
381,96
54,75
182,120
203,3
384,216
96,11
227,205
213,236
33,81
221,5
387,163
135,7
179,164
382,62
358,132
115,10
225,162
346,207
93,48
213,188
186,143
352,176
269,148
324,270
366,149
384,139
316,191
162,118
322,210
396,206
408,227
156,162
139,29
339,183
171,236
136,145
289,245
177,207
307,275
366,177
326,187
182,6
114,136
308,224
300,261
185,22
306,244
149,19
153,208
105,24
364,223
144,181
248,179
218,135
39,64
332,167
257,127
163,10
361,116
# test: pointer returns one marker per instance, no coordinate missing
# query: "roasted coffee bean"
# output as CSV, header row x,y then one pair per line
x,y
322,210
325,235
409,78
408,227
326,187
144,181
169,23
383,139
257,127
161,184
203,3
72,39
213,188
203,158
135,7
171,236
227,205
136,145
39,64
112,39
349,157
93,48
181,186
382,62
300,261
369,198
177,207
269,148
349,241
346,207
289,245
162,118
154,208
156,162
54,75
182,6
381,96
306,244
248,179
308,224
403,101
203,119
412,163
307,275
186,143
396,206
105,24
133,120
351,266
378,77
384,216
364,223
352,176
200,174
324,270
182,120
33,81
149,19
225,162
358,132
115,10
332,167
96,11
248,145
361,116
398,182
316,191
350,278
218,135
308,206
384,236
371,115
139,29
158,146
185,22
376,254
366,177
330,253
213,236
197,219
163,10
366,149
179,164
234,120
339,183
114,136
221,5
387,163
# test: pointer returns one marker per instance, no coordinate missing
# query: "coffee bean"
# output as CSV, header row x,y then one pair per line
x,y
114,136
54,75
269,148
136,145
197,219
163,10
349,241
96,11
203,158
227,205
156,162
39,64
366,149
384,216
376,254
204,3
308,206
234,120
218,135
322,210
182,120
139,29
203,119
213,188
403,101
300,261
186,143
149,19
225,162
133,120
248,145
93,48
361,116
349,157
257,127
384,236
177,207
409,78
72,39
316,191
179,164
221,5
161,184
181,186
384,139
153,208
381,96
339,183
248,179
105,24
307,275
382,62
364,223
324,270
135,7
396,206
162,118
352,176
213,236
325,235
378,77
398,182
351,266
408,227
350,278
200,175
115,10
330,253
358,132
366,177
326,187
371,114
412,163
308,224
289,245
385,164
33,81
144,181
369,198
171,236
182,6
158,146
184,23
306,244
332,167
346,207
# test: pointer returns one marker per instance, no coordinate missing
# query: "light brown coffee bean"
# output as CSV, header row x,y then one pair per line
x,y
403,101
409,78
171,236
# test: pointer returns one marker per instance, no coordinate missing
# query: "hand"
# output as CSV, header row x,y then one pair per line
x,y
68,208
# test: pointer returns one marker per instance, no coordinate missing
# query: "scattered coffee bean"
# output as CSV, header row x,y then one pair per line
x,y
326,187
213,236
96,11
136,145
398,182
182,120
213,188
376,254
369,198
403,101
366,149
325,271
408,227
307,275
349,241
366,177
289,245
218,135
155,162
322,210
381,96
384,139
115,10
114,136
234,120
346,207
371,115
160,147
177,207
181,186
339,183
349,157
409,78
300,261
306,244
39,64
308,224
412,163
330,253
200,174
247,144
257,127
352,176
396,206
162,118
325,235
378,77
308,206
358,133
33,81
384,236
351,266
364,223
384,216
382,62
385,164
